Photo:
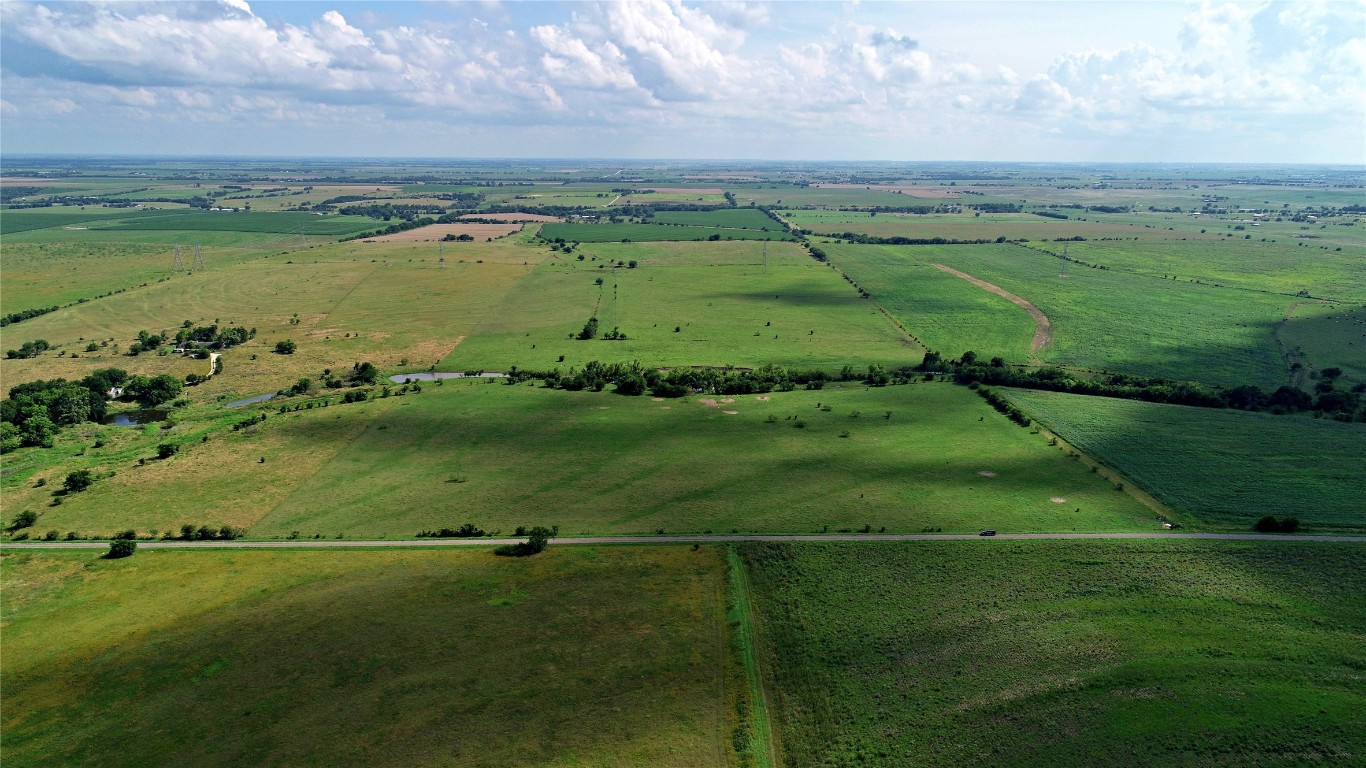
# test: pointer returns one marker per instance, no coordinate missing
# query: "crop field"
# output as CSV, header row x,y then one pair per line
x,y
606,233
984,227
1225,468
730,218
577,657
1178,653
1105,319
785,196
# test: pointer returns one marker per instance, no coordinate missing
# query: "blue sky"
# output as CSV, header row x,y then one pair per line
x,y
1028,81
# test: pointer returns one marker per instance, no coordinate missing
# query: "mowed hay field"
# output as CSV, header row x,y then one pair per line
x,y
731,304
1225,468
439,231
578,656
1006,653
1102,319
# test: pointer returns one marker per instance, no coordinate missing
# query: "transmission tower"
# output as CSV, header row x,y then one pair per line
x,y
198,258
179,265
1065,259
303,239
765,257
440,256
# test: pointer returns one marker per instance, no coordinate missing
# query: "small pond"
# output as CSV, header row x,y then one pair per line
x,y
250,400
426,376
136,418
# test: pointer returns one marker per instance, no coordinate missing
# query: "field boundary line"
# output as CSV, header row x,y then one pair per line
x,y
891,318
763,745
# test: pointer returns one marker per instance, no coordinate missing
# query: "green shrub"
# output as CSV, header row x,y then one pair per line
x,y
121,548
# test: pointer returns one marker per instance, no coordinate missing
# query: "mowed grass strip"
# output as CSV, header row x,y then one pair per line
x,y
1226,468
901,458
577,656
996,653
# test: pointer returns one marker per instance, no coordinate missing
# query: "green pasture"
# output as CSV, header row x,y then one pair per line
x,y
63,272
606,233
604,464
575,657
727,307
1252,265
608,464
1225,468
1329,336
945,312
1063,653
1106,319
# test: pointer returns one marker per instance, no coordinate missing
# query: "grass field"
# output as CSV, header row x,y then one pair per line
x,y
987,226
353,301
576,657
728,307
608,233
1225,468
1036,654
1286,269
503,456
1102,319
1328,336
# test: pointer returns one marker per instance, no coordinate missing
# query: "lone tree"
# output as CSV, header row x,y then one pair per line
x,y
538,539
78,481
285,347
121,548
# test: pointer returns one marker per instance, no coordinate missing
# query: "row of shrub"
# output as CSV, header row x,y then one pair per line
x,y
1004,406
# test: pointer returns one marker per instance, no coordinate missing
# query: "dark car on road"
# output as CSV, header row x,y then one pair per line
x,y
988,532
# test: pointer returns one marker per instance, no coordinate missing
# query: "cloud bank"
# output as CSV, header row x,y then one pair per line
x,y
1250,82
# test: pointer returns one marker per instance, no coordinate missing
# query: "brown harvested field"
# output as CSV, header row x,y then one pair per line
x,y
910,190
439,231
519,216
34,180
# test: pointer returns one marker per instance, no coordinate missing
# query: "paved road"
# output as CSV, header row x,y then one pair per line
x,y
355,543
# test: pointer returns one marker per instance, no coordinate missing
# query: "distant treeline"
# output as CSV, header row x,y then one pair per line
x,y
634,378
1328,401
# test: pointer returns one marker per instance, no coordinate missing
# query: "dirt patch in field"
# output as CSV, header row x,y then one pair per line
x,y
709,402
512,217
730,413
657,399
909,190
727,400
762,397
438,231
987,473
1043,328
1058,500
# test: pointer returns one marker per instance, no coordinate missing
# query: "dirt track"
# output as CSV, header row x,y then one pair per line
x,y
1043,329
